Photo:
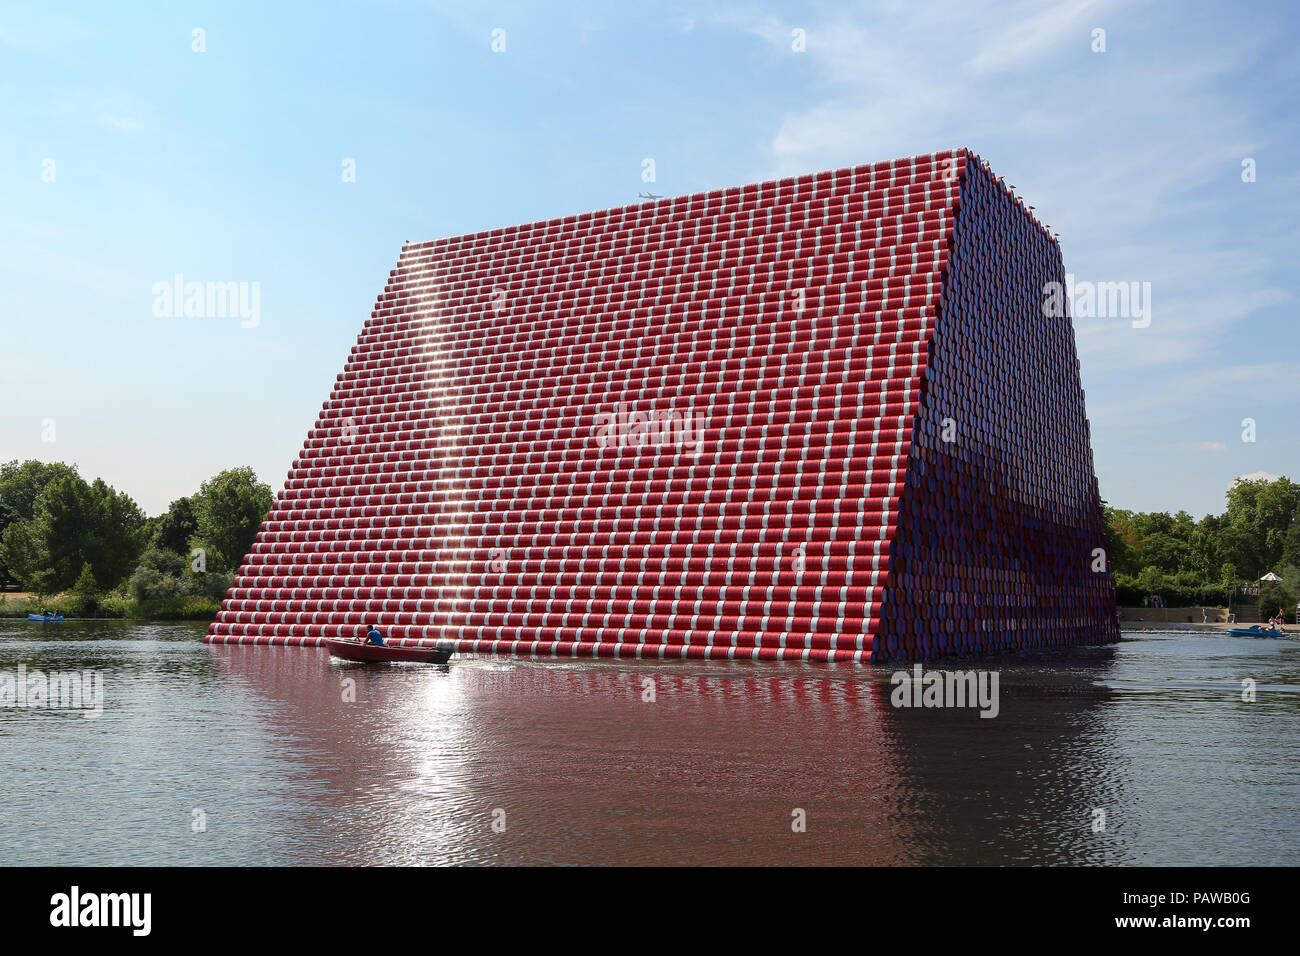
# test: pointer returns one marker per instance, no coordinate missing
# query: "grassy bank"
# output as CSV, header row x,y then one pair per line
x,y
190,608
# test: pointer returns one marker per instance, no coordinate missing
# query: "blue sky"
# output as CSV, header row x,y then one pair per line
x,y
226,165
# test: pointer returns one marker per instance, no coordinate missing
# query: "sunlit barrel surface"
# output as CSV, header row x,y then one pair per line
x,y
823,418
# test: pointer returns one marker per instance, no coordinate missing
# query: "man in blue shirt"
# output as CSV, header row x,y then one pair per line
x,y
374,637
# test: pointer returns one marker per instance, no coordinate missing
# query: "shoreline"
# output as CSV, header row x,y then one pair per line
x,y
1129,627
1125,627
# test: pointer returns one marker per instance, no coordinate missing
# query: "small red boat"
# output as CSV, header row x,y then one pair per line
x,y
380,653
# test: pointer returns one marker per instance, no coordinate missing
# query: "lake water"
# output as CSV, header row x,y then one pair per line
x,y
233,755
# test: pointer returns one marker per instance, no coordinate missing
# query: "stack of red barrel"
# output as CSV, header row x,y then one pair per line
x,y
822,418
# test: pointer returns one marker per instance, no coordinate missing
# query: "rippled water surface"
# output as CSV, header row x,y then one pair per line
x,y
583,768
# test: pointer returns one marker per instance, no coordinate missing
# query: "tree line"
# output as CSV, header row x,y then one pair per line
x,y
60,534
1206,562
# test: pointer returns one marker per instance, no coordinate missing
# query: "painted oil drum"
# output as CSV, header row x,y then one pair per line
x,y
822,418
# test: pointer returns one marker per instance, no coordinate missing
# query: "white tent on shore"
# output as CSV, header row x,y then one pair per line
x,y
1270,577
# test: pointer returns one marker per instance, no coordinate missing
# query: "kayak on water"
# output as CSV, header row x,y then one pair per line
x,y
1255,630
41,617
360,651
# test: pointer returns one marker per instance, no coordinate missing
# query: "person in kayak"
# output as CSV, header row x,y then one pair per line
x,y
374,637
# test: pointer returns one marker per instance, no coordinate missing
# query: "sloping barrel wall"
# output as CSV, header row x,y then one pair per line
x,y
822,418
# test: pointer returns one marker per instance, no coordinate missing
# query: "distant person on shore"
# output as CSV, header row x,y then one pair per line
x,y
1205,615
374,637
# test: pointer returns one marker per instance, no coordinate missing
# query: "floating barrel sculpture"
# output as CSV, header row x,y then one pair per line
x,y
823,418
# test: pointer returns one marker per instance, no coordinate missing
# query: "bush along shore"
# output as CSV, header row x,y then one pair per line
x,y
85,550
1249,554
189,608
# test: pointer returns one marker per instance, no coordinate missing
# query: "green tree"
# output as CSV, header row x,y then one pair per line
x,y
85,591
160,576
1121,541
119,535
230,507
1273,597
1165,551
1151,580
74,524
26,557
20,485
46,551
213,584
163,561
1291,543
174,529
1207,547
149,585
1290,575
1258,518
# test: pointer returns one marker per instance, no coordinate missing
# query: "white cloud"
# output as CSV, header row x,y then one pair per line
x,y
1133,156
1029,39
1255,476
